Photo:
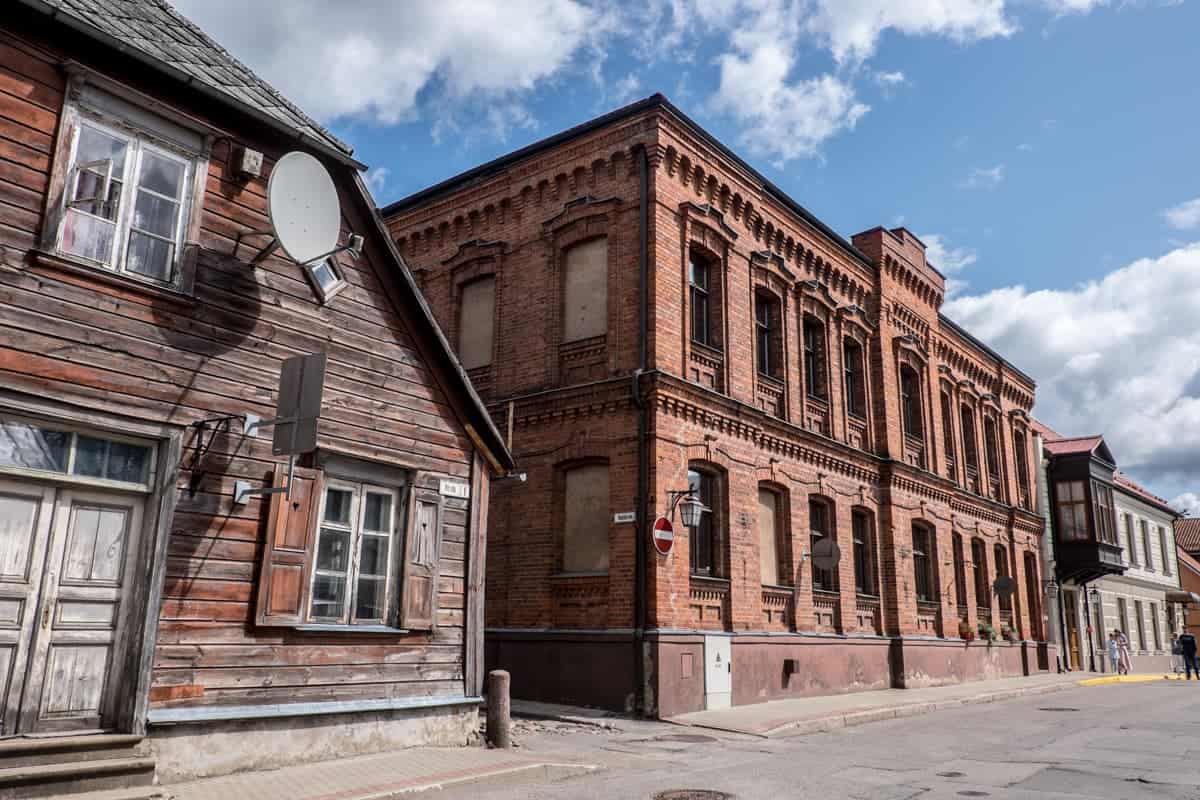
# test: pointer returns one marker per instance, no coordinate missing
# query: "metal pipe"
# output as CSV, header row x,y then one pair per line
x,y
640,524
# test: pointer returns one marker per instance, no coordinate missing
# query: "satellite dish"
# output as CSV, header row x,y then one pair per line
x,y
826,553
1004,586
302,204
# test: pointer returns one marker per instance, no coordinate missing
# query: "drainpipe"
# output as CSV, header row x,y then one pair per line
x,y
643,478
1054,616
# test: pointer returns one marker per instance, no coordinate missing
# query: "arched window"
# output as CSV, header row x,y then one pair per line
x,y
983,592
768,335
585,517
991,443
960,571
856,384
585,290
948,432
814,357
707,539
703,297
924,557
772,544
820,524
910,402
1033,593
1001,556
476,322
1020,450
866,574
970,447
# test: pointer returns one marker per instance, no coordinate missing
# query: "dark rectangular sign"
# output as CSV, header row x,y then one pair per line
x,y
301,382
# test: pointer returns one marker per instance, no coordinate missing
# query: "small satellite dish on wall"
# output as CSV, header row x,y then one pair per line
x,y
826,553
1004,586
302,204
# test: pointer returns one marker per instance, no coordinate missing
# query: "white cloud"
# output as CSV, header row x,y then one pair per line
x,y
1184,216
1064,7
948,260
1188,503
890,78
371,59
1118,356
376,179
984,177
626,89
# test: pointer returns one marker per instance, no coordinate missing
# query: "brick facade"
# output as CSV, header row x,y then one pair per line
x,y
568,637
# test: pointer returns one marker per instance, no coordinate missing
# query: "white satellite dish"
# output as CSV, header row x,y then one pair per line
x,y
302,204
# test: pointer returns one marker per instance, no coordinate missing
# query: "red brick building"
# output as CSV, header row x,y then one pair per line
x,y
804,386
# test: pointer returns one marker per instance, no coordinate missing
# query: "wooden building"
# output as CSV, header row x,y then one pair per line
x,y
138,595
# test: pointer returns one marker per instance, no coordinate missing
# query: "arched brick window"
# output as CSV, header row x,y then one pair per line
x,y
707,540
910,402
866,568
853,366
924,559
815,372
585,290
773,545
821,526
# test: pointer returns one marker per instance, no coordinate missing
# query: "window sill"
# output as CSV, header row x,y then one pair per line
x,y
770,379
712,351
818,399
71,266
709,579
318,627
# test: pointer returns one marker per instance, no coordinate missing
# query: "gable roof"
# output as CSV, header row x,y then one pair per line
x,y
155,33
1187,534
1073,445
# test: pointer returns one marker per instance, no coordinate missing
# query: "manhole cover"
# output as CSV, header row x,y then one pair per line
x,y
1058,708
973,793
952,774
693,794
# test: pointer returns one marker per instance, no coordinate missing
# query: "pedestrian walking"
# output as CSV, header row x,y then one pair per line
x,y
1123,648
1114,653
1176,655
1187,648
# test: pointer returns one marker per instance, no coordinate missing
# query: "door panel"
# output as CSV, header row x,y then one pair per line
x,y
718,672
1072,630
79,624
26,511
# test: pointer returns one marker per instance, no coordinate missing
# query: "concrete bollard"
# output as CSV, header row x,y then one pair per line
x,y
499,725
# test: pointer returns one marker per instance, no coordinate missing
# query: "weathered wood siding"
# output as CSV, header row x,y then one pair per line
x,y
66,336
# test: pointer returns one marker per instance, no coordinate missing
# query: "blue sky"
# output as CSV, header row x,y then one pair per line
x,y
1044,149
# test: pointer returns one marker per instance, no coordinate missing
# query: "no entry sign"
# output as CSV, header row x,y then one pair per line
x,y
663,535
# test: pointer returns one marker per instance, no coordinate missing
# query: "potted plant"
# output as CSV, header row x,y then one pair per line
x,y
965,632
1009,634
987,632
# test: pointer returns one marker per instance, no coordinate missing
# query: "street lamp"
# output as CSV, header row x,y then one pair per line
x,y
1051,587
690,507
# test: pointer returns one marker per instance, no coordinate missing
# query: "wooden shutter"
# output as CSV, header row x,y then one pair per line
x,y
422,551
287,553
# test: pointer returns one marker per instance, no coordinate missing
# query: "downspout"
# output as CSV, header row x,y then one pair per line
x,y
643,479
1054,616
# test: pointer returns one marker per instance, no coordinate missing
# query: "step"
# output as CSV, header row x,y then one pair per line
x,y
75,777
26,751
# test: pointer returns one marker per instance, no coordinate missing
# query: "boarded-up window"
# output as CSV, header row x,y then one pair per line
x,y
476,325
768,536
585,290
585,532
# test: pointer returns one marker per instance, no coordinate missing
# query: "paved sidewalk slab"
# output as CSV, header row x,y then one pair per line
x,y
578,715
375,776
814,714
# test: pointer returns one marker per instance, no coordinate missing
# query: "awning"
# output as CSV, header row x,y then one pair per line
x,y
1182,597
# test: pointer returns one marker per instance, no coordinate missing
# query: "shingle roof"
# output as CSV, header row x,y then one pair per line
x,y
1133,487
1187,534
152,30
1077,444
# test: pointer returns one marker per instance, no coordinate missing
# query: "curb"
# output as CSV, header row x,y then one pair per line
x,y
1128,679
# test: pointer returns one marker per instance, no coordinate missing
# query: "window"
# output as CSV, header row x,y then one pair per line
x,y
769,518
983,590
910,402
856,385
1033,595
866,580
1141,625
1130,540
585,290
31,446
947,430
585,518
970,445
1020,449
768,338
991,447
1001,556
1145,527
960,571
814,357
351,581
1072,511
706,537
326,278
1164,550
1102,512
477,322
1154,627
820,527
1123,615
923,556
700,297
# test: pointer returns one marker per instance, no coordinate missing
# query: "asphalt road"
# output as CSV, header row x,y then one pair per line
x,y
1118,741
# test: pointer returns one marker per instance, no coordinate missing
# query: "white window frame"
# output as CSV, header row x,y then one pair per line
x,y
358,506
323,293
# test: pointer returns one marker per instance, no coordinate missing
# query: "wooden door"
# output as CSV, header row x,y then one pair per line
x,y
26,511
1069,606
81,611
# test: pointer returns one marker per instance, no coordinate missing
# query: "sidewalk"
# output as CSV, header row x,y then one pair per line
x,y
375,776
815,714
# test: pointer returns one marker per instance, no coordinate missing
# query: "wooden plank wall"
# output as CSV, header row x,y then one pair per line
x,y
125,351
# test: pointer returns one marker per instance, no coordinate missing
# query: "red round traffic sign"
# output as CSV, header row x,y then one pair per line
x,y
663,535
